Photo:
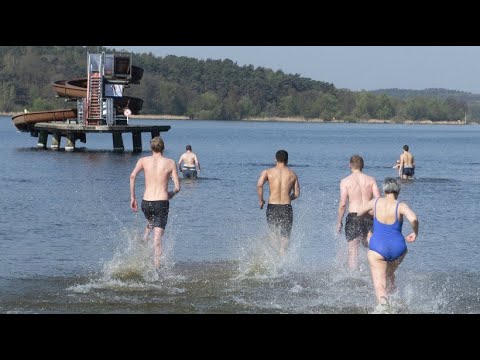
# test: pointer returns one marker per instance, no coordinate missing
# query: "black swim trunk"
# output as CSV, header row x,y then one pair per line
x,y
407,171
357,227
280,218
189,172
156,212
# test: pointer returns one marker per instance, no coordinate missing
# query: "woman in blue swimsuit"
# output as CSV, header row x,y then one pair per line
x,y
387,246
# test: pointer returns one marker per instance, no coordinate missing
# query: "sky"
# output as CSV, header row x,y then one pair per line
x,y
351,67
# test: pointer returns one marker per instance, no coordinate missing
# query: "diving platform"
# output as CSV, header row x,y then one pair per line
x,y
101,106
73,132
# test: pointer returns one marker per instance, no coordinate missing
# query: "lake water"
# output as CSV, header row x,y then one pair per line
x,y
69,242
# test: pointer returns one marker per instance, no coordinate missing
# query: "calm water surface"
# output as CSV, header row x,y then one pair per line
x,y
69,242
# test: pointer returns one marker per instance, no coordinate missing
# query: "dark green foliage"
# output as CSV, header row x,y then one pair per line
x,y
213,89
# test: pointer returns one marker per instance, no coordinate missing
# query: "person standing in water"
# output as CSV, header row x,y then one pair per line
x,y
283,188
387,247
397,167
356,190
155,203
188,164
407,164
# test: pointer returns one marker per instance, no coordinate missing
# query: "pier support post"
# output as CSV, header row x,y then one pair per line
x,y
155,133
117,141
82,137
42,139
70,146
137,141
56,138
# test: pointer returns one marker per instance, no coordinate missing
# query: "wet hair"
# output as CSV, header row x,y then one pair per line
x,y
391,186
282,156
188,147
405,147
157,144
357,162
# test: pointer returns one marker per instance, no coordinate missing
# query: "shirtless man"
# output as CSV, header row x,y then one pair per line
x,y
155,204
283,188
357,189
407,164
190,164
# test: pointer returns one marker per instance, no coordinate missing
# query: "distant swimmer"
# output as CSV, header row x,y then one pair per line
x,y
397,167
356,189
407,164
283,188
387,247
155,204
188,164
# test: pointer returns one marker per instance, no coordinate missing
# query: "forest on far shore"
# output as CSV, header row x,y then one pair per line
x,y
219,89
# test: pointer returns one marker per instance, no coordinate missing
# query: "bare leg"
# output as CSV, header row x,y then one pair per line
x,y
284,242
277,240
146,234
274,242
353,254
391,286
157,238
378,267
366,240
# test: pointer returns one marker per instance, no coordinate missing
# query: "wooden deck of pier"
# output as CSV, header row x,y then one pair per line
x,y
73,132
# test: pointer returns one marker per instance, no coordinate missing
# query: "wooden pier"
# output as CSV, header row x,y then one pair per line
x,y
73,132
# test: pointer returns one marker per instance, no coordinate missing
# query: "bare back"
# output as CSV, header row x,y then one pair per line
x,y
406,160
157,171
358,188
189,159
386,211
281,182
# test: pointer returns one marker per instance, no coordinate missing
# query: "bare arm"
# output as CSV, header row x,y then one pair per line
x,y
402,163
197,162
366,208
261,181
176,182
342,206
405,210
133,175
296,189
375,190
180,163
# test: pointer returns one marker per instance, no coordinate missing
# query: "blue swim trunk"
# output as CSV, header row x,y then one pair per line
x,y
189,172
408,171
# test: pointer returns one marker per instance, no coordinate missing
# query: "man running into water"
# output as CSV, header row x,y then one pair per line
x,y
407,164
155,204
190,164
357,189
283,188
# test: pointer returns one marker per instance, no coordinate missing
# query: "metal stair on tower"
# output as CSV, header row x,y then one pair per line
x,y
94,115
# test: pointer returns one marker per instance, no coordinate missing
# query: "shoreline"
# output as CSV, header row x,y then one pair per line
x,y
295,119
303,120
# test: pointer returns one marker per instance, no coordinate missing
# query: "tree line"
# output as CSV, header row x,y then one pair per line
x,y
212,89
